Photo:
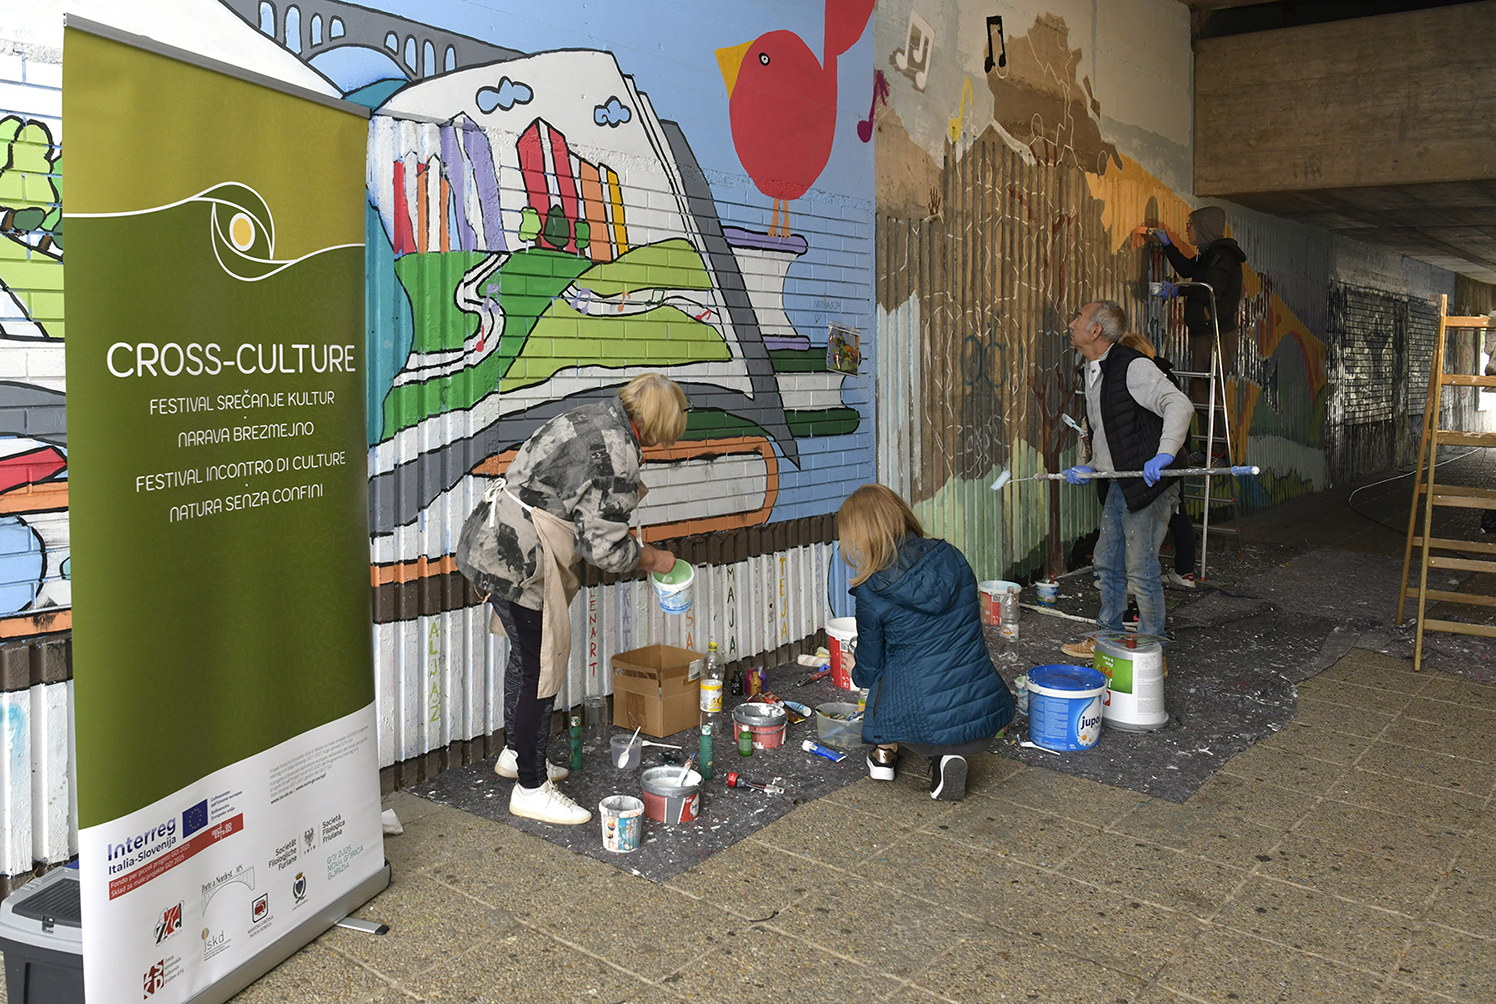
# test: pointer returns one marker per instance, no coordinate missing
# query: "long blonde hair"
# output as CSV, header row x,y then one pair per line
x,y
870,523
657,406
1138,343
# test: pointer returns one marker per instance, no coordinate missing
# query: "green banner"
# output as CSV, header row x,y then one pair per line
x,y
215,420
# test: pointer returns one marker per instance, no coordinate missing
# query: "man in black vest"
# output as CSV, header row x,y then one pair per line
x,y
1138,422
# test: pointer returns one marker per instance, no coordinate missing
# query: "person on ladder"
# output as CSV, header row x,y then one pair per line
x,y
1218,263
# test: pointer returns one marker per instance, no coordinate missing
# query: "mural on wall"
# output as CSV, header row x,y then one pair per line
x,y
35,572
1028,213
539,234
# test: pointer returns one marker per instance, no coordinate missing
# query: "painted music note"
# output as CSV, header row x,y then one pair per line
x,y
996,21
880,93
913,61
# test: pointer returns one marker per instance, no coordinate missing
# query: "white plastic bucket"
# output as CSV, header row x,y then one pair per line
x,y
675,597
992,592
841,633
1134,671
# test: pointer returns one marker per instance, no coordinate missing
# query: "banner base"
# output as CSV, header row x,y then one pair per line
x,y
294,940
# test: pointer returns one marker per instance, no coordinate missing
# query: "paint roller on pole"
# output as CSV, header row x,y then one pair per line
x,y
1006,477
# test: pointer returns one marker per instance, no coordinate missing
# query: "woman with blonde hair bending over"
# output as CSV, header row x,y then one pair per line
x,y
920,651
566,497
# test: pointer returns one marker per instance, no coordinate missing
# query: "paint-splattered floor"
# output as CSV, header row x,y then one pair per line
x,y
727,814
1276,612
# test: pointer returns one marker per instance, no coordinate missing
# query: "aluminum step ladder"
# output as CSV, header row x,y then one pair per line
x,y
1216,440
1429,493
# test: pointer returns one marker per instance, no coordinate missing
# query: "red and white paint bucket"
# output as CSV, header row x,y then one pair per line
x,y
765,722
991,593
841,638
670,799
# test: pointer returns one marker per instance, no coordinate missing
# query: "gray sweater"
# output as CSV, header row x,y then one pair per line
x,y
581,466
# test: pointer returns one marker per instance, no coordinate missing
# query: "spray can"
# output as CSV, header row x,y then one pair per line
x,y
576,742
704,760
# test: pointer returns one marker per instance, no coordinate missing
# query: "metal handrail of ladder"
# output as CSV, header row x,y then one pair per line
x,y
1431,494
1217,378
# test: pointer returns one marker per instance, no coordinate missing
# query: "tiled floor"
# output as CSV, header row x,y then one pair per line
x,y
1348,858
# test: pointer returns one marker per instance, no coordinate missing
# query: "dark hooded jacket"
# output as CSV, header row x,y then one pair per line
x,y
1218,264
921,654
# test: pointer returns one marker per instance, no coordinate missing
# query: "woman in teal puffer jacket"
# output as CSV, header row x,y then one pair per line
x,y
920,651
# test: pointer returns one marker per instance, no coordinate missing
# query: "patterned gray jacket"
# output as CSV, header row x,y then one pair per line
x,y
582,466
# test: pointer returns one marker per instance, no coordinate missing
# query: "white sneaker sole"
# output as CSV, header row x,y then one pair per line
x,y
878,772
543,818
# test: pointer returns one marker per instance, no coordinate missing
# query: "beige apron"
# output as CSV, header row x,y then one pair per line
x,y
558,562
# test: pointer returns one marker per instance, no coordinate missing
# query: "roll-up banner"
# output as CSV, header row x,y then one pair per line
x,y
228,786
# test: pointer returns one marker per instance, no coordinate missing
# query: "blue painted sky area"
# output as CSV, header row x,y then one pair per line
x,y
669,49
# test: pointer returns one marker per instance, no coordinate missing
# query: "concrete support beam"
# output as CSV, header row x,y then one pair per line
x,y
1392,100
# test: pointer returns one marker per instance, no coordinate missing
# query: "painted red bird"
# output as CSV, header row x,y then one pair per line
x,y
782,104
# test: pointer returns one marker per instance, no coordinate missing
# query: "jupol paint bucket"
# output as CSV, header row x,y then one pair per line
x,y
1048,592
623,820
764,722
841,633
667,799
1065,708
992,592
674,588
1134,669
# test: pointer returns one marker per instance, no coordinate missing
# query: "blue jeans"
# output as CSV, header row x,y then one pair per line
x,y
1127,559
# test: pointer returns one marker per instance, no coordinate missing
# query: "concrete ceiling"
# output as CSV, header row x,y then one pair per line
x,y
1450,224
1438,206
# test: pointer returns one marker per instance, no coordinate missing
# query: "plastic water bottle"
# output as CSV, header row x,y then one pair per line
x,y
1008,625
712,682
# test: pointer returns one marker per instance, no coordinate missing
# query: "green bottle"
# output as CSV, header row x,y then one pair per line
x,y
704,760
745,742
576,742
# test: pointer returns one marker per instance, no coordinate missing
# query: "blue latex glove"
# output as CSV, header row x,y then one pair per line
x,y
1077,475
1162,235
1154,469
1167,290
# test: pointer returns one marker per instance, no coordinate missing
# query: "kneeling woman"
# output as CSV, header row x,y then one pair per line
x,y
920,651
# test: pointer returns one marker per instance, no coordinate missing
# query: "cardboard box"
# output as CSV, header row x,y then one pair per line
x,y
657,689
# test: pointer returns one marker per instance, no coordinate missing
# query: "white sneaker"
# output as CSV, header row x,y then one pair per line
x,y
1185,581
508,766
547,805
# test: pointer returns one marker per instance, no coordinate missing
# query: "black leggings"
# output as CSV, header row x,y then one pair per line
x,y
527,718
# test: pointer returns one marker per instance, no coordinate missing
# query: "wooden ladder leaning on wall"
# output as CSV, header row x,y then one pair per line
x,y
1428,493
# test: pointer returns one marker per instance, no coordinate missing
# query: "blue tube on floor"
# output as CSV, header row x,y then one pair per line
x,y
811,746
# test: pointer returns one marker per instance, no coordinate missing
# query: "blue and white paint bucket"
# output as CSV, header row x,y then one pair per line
x,y
674,587
1065,707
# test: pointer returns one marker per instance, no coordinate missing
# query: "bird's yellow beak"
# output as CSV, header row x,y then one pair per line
x,y
731,60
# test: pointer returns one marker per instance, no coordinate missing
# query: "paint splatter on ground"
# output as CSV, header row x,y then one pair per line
x,y
727,814
1267,622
